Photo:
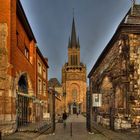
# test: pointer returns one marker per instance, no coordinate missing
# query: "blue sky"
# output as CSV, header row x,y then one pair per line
x,y
51,21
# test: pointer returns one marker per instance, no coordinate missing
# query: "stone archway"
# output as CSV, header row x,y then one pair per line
x,y
24,100
74,99
106,89
28,81
23,84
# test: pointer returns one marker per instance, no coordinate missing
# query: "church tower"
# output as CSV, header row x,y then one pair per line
x,y
74,77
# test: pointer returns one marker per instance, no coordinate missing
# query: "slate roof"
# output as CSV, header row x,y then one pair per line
x,y
53,82
131,21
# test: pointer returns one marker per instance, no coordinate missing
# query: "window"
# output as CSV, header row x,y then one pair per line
x,y
17,34
74,94
44,88
71,59
44,73
39,68
26,52
39,86
76,59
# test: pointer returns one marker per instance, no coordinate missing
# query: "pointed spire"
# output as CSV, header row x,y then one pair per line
x,y
78,44
69,44
73,35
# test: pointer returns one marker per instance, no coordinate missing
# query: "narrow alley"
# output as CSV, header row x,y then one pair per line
x,y
79,131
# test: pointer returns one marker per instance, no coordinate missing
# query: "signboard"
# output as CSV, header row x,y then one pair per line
x,y
46,115
96,100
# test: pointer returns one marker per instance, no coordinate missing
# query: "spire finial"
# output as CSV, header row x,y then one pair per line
x,y
73,12
73,34
133,3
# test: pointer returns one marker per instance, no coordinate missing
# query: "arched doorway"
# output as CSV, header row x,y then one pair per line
x,y
74,108
23,101
74,100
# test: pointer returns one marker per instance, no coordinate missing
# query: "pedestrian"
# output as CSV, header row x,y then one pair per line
x,y
64,117
77,114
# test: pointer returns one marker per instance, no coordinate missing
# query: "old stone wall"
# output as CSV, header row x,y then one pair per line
x,y
117,79
110,79
135,77
7,99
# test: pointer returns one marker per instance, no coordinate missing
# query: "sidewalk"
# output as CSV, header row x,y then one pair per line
x,y
113,135
28,132
34,127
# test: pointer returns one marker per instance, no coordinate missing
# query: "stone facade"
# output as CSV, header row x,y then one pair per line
x,y
74,77
59,98
59,102
115,76
18,86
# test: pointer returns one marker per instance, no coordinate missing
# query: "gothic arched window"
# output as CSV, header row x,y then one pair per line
x,y
74,94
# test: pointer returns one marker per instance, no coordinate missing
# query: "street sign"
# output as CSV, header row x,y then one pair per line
x,y
96,100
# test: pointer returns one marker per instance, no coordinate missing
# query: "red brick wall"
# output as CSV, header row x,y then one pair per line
x,y
7,15
19,60
19,63
16,57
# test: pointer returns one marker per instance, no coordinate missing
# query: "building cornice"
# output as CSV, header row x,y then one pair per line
x,y
22,16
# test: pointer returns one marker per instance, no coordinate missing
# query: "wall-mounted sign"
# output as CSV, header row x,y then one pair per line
x,y
96,100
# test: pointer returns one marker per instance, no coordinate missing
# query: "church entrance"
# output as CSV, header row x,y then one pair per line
x,y
74,108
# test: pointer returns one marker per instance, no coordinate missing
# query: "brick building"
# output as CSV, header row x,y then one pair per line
x,y
18,68
74,77
42,86
115,78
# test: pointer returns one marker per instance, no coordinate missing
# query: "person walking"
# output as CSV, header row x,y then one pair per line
x,y
77,114
64,117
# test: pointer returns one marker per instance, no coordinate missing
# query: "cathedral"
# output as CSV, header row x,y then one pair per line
x,y
74,77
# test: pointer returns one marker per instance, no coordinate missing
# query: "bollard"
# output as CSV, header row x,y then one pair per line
x,y
0,135
71,129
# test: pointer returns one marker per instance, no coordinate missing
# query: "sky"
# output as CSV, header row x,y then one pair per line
x,y
95,20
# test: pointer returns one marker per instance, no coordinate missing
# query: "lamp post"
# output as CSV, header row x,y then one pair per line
x,y
64,99
88,111
52,107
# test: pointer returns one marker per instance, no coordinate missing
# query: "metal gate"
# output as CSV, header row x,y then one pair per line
x,y
23,103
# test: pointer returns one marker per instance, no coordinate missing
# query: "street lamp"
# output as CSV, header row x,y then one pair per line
x,y
52,100
64,95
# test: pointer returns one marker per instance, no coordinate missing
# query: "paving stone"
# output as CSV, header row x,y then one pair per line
x,y
79,131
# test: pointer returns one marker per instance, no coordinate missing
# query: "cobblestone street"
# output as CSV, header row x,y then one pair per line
x,y
78,132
